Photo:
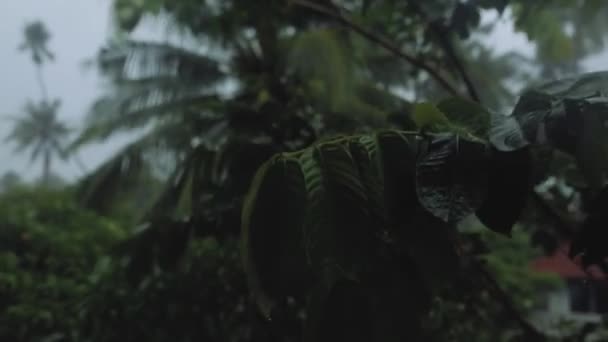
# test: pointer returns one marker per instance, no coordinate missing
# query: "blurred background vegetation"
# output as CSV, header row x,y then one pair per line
x,y
145,247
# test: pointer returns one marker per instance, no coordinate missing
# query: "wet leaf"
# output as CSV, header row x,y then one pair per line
x,y
509,186
451,178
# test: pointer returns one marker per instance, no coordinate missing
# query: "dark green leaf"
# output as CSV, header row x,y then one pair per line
x,y
273,237
467,114
339,228
451,177
427,115
347,207
509,186
579,87
396,161
568,114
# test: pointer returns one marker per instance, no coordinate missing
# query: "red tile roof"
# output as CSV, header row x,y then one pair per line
x,y
559,263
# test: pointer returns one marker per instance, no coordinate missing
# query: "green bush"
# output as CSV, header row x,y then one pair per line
x,y
48,247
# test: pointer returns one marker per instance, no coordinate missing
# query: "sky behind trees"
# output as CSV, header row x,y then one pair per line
x,y
78,29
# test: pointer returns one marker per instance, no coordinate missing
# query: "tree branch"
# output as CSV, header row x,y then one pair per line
x,y
342,18
444,41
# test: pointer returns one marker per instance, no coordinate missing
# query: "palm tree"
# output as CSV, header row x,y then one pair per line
x,y
39,128
36,39
40,131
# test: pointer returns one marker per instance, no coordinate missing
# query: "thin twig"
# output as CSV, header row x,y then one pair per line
x,y
341,17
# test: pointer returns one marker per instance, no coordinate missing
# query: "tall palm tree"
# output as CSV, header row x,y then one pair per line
x,y
40,131
36,37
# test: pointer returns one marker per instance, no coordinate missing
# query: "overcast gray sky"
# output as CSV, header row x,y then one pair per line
x,y
79,29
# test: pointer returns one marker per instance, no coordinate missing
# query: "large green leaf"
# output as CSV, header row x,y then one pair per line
x,y
426,116
569,115
509,186
273,217
343,208
468,115
451,177
455,115
396,161
342,205
582,86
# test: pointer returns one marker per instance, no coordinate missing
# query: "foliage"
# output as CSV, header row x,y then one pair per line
x,y
36,39
505,262
39,127
49,246
563,36
42,132
343,209
349,229
204,299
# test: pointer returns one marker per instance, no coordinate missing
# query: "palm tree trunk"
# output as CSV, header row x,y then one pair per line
x,y
41,82
46,168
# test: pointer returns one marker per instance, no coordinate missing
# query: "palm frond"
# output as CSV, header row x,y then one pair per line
x,y
36,38
133,61
108,182
150,80
112,116
121,173
39,129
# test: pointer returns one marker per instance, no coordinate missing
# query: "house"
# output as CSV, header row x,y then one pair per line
x,y
582,301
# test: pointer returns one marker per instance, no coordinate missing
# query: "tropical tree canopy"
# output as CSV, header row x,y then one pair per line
x,y
249,81
321,224
314,170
